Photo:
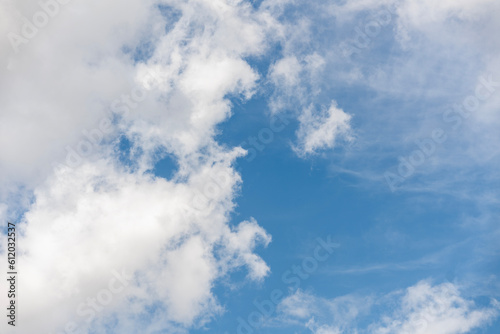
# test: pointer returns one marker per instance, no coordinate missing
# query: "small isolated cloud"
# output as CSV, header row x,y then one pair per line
x,y
421,309
320,130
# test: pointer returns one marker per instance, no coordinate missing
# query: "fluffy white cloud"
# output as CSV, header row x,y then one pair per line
x,y
47,85
422,308
69,75
93,219
106,244
172,238
319,130
436,309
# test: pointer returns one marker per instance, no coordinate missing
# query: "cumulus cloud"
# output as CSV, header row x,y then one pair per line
x,y
104,242
422,308
436,309
320,130
96,218
75,77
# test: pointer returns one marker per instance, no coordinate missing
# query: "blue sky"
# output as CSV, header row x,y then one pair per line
x,y
232,166
387,241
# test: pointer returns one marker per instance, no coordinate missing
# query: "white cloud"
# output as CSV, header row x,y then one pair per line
x,y
436,309
67,77
95,218
426,15
299,305
81,223
294,80
286,72
419,59
323,315
45,95
298,80
321,130
422,308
